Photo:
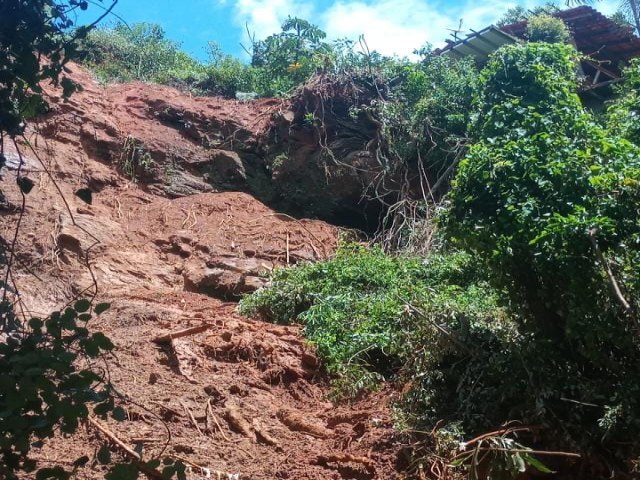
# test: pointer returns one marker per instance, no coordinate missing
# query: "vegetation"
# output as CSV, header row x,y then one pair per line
x,y
549,199
359,308
624,112
49,382
527,311
524,307
546,28
279,63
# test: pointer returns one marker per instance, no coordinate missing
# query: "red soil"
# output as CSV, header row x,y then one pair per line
x,y
138,245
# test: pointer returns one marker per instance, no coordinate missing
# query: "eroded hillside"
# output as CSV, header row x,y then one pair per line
x,y
172,236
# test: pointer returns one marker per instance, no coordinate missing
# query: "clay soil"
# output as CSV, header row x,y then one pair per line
x,y
241,397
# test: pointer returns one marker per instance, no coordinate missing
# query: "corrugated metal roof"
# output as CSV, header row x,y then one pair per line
x,y
594,34
479,44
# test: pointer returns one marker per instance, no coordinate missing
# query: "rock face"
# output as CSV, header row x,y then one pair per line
x,y
228,169
309,156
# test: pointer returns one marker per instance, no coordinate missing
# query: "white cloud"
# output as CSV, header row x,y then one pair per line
x,y
391,27
264,17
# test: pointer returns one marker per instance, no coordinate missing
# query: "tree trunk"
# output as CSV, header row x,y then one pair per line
x,y
633,5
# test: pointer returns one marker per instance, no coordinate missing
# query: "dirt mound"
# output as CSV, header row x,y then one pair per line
x,y
232,395
241,398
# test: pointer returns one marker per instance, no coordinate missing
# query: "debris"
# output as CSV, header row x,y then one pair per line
x,y
237,422
167,338
264,436
191,417
299,423
135,456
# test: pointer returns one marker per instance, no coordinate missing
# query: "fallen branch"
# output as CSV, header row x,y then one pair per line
x,y
263,436
346,458
167,338
237,422
132,454
192,418
207,472
541,453
615,287
215,420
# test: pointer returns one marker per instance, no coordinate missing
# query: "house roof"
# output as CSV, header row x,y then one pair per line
x,y
594,34
479,44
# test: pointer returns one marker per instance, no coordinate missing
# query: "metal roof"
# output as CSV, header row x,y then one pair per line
x,y
479,44
594,34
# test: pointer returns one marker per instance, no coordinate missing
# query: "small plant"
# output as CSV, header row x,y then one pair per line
x,y
546,28
309,119
134,159
279,161
43,386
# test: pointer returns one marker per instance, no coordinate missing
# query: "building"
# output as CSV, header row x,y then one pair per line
x,y
607,45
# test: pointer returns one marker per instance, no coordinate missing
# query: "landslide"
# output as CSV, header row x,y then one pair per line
x,y
172,236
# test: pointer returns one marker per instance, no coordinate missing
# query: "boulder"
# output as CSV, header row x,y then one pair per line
x,y
225,277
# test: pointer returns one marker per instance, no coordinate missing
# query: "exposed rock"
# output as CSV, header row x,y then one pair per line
x,y
179,183
226,277
227,168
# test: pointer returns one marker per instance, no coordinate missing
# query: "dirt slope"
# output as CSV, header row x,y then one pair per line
x,y
242,397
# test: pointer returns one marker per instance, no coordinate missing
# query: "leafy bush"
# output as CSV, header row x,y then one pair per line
x,y
549,200
42,388
139,52
520,14
33,30
286,59
624,113
226,75
357,308
545,28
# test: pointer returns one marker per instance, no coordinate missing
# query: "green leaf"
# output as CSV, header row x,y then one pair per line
x,y
56,473
153,464
81,462
25,184
123,471
537,464
104,455
69,87
119,414
82,305
85,194
101,308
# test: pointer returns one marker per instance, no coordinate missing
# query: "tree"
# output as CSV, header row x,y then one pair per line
x,y
36,42
288,58
550,200
47,383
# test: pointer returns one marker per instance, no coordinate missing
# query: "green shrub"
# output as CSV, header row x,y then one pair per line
x,y
623,115
549,201
357,307
287,59
124,53
546,28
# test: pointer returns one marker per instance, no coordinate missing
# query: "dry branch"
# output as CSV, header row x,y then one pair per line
x,y
167,338
617,291
346,458
263,436
126,449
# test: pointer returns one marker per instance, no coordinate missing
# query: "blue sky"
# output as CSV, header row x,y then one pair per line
x,y
390,26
